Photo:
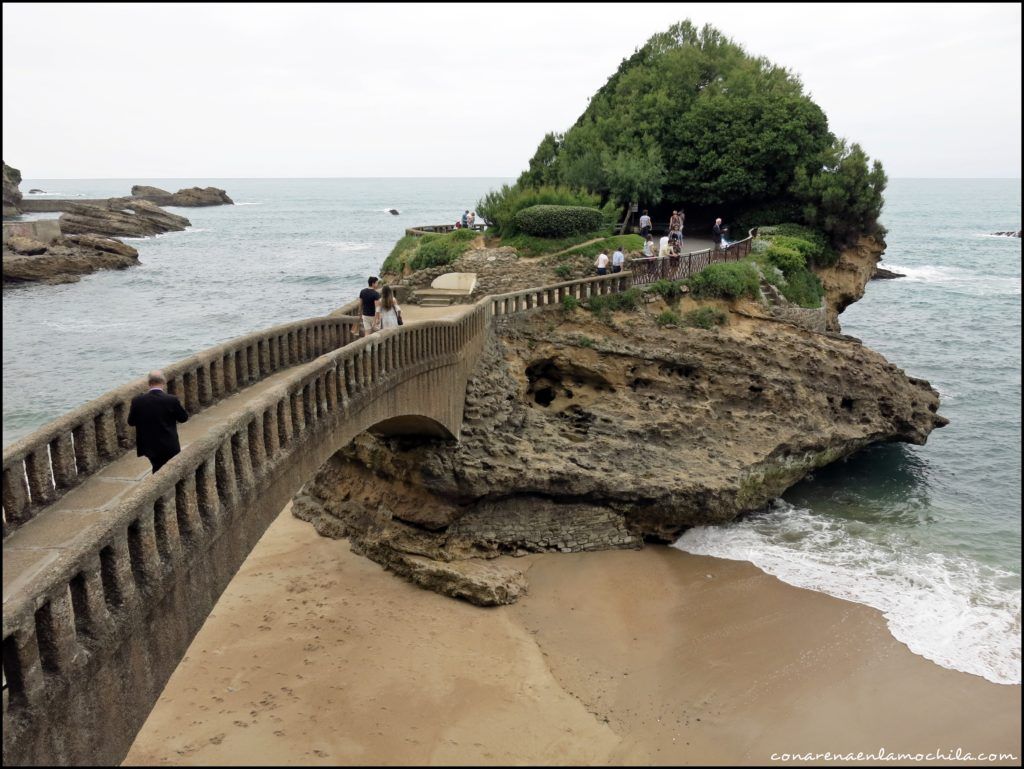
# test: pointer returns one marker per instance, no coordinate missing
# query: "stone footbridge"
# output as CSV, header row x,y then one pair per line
x,y
109,571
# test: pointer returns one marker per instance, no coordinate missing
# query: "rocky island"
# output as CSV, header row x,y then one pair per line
x,y
85,237
688,400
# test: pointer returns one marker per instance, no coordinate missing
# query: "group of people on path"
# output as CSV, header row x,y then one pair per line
x,y
669,245
467,221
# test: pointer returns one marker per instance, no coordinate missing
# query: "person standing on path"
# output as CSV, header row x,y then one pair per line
x,y
649,247
645,224
155,416
465,218
675,226
618,259
368,300
716,233
602,263
389,313
471,219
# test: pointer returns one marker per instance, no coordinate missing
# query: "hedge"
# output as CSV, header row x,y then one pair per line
x,y
557,221
725,280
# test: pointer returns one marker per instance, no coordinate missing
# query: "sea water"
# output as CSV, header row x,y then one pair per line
x,y
930,535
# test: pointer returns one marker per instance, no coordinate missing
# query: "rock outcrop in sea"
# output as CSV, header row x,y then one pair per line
x,y
120,217
64,260
582,433
190,197
11,193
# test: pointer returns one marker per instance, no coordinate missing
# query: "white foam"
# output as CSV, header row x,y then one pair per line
x,y
186,231
345,245
960,279
251,203
952,610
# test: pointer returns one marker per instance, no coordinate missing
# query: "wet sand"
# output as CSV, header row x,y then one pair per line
x,y
315,655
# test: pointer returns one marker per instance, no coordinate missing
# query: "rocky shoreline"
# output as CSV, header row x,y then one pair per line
x,y
85,237
582,433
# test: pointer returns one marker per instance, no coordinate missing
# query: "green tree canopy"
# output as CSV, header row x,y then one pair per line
x,y
691,117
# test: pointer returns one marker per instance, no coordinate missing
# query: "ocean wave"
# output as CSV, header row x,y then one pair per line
x,y
344,245
949,609
251,203
960,279
186,231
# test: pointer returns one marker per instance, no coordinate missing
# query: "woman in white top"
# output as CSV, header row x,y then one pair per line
x,y
388,311
663,247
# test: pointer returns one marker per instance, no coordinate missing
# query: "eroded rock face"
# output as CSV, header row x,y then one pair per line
x,y
120,217
64,260
845,281
579,435
191,197
11,193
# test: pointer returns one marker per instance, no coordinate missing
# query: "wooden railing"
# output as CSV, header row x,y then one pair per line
x,y
46,464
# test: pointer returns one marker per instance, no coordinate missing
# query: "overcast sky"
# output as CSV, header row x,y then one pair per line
x,y
254,90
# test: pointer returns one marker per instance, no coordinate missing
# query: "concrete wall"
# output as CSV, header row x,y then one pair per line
x,y
44,230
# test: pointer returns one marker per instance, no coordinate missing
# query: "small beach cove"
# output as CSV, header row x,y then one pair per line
x,y
316,656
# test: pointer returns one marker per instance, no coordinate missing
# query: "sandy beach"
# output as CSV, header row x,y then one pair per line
x,y
315,655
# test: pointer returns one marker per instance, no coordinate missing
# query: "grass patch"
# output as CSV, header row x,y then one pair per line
x,y
608,303
417,252
725,280
528,246
669,290
585,341
668,318
563,271
705,317
570,303
608,245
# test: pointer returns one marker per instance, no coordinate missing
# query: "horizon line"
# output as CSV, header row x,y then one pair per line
x,y
328,178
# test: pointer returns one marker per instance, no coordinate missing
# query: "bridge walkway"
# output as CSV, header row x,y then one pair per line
x,y
59,526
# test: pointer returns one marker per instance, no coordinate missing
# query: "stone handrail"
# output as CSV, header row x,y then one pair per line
x,y
650,269
42,466
91,591
430,229
519,301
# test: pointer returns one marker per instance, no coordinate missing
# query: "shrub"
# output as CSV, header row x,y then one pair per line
x,y
499,207
570,303
822,254
626,300
585,341
802,288
669,290
788,260
432,250
563,271
558,221
395,263
726,280
766,214
668,318
705,317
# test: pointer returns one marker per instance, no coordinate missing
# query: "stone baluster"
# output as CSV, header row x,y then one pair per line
x,y
40,483
168,537
186,503
227,485
15,495
62,455
106,434
23,670
230,373
116,573
284,421
207,500
271,443
86,452
55,629
243,461
143,549
206,396
91,616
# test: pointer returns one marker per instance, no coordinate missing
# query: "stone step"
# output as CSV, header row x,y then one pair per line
x,y
434,301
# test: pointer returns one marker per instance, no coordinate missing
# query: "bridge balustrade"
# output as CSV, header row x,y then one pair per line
x,y
43,466
63,616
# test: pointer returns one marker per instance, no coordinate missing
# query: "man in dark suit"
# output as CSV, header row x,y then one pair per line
x,y
155,416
